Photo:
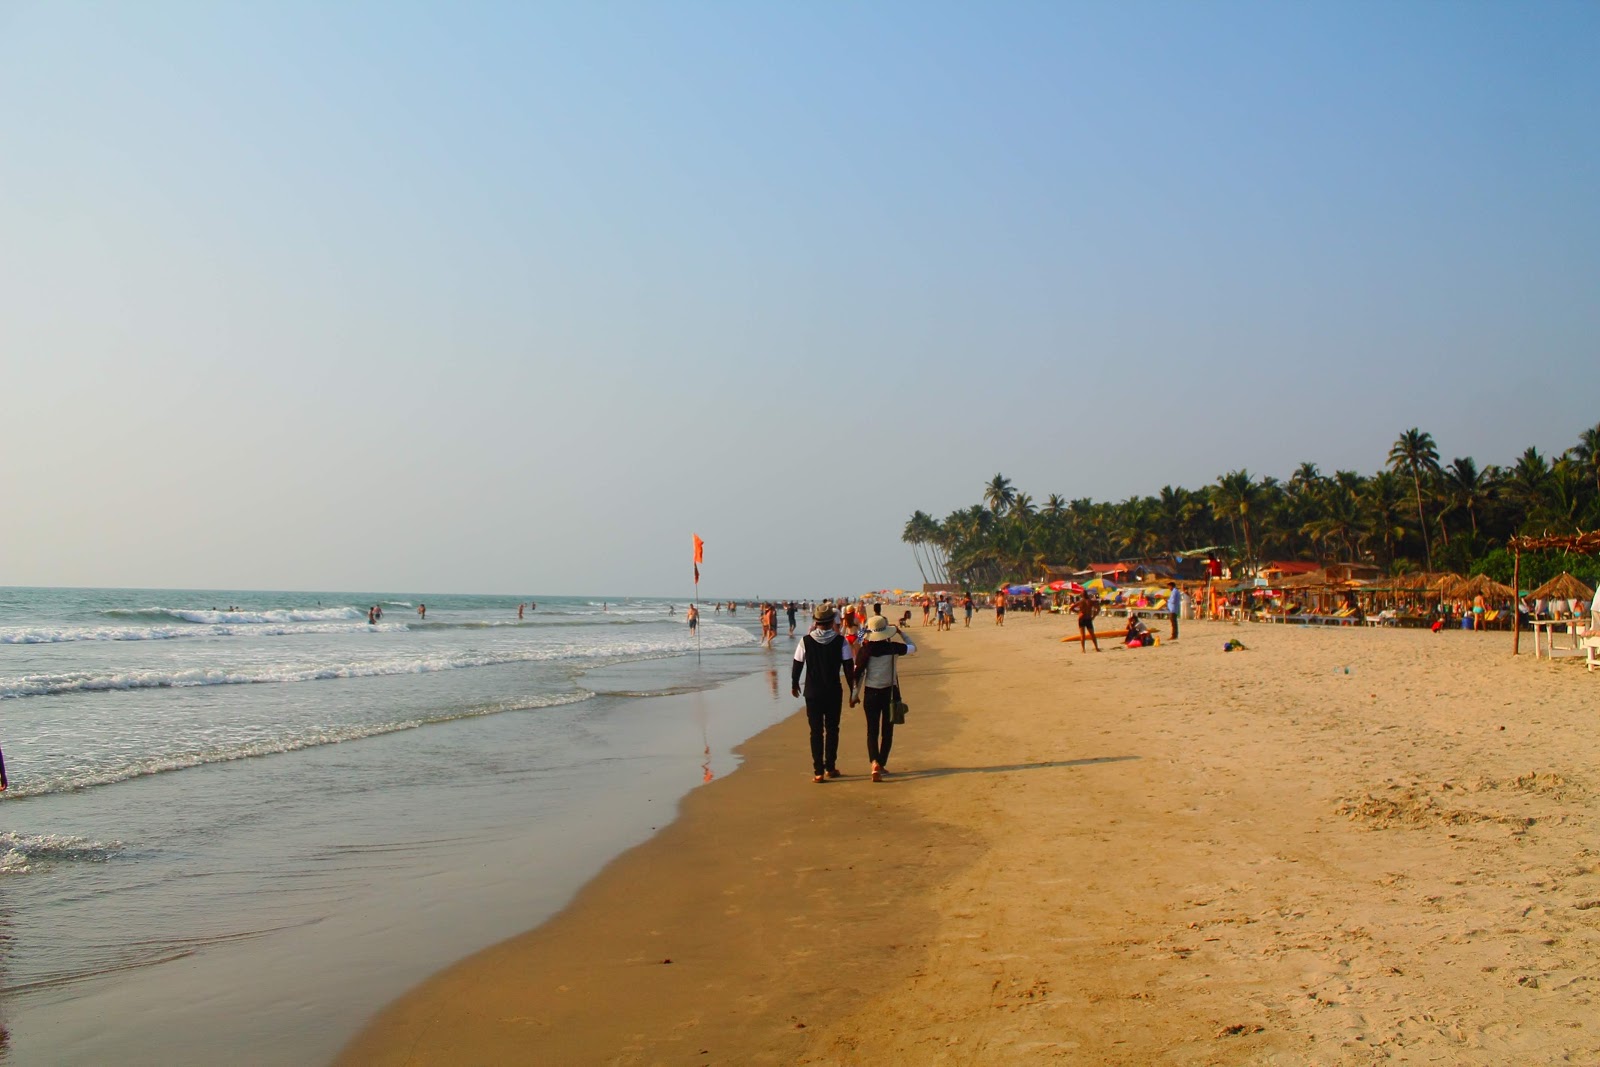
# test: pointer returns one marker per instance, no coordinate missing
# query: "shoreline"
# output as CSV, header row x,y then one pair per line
x,y
1336,846
707,882
350,899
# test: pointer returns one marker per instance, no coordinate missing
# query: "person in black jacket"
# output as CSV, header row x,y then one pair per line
x,y
821,655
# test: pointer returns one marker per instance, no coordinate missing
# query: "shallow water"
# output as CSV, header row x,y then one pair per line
x,y
244,870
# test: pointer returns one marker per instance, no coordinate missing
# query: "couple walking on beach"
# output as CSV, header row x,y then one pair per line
x,y
867,658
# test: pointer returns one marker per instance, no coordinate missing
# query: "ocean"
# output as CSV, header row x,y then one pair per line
x,y
239,822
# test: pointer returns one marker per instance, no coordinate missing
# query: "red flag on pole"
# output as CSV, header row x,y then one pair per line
x,y
699,556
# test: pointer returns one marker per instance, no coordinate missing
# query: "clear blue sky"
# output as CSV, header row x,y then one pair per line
x,y
515,297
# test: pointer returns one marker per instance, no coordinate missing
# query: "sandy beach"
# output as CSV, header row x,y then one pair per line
x,y
1335,846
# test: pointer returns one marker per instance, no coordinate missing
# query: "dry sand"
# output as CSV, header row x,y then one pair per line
x,y
1338,846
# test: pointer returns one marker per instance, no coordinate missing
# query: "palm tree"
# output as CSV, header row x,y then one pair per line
x,y
1587,453
1022,506
1525,481
999,494
1055,506
1468,487
918,531
1380,500
1414,453
1235,496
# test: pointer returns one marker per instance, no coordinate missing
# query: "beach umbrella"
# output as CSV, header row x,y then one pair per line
x,y
1058,585
1100,586
1563,587
1018,590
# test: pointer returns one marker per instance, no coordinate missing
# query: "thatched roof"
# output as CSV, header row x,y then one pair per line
x,y
1418,582
1310,580
1564,587
1479,585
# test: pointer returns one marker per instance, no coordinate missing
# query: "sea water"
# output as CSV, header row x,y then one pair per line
x,y
240,821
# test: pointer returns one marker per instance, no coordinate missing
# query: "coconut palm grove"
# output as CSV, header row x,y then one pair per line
x,y
1415,513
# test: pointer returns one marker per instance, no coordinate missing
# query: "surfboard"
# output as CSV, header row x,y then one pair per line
x,y
1080,636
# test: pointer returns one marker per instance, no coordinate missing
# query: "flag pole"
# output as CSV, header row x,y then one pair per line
x,y
699,551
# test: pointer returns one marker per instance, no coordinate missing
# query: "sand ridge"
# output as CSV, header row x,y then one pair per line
x,y
1343,846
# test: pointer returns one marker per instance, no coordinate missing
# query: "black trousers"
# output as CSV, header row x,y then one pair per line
x,y
880,725
822,713
1174,625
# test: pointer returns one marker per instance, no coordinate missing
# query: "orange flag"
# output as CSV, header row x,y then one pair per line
x,y
699,556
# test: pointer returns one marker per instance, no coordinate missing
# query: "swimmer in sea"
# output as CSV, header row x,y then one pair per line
x,y
422,611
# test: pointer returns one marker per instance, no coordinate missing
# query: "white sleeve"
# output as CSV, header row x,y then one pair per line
x,y
800,651
910,648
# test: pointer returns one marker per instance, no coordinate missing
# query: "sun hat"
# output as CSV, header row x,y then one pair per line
x,y
824,612
878,629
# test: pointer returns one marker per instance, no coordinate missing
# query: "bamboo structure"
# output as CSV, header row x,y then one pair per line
x,y
1583,544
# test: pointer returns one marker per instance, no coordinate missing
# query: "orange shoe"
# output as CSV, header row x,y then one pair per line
x,y
877,772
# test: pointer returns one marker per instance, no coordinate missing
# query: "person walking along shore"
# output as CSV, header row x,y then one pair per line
x,y
879,688
821,655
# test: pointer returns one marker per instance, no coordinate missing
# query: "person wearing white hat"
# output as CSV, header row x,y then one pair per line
x,y
876,670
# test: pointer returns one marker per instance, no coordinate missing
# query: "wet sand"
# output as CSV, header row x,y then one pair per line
x,y
1336,846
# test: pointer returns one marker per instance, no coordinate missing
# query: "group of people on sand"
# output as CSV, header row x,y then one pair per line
x,y
1137,634
943,609
849,652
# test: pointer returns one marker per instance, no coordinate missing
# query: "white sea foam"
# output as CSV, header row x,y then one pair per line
x,y
713,636
19,852
213,616
69,781
43,635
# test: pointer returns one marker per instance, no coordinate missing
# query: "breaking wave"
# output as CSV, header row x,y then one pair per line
x,y
19,852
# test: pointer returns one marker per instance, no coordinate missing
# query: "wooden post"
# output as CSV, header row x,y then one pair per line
x,y
1516,602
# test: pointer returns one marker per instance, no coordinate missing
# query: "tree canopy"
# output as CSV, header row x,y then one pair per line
x,y
1411,514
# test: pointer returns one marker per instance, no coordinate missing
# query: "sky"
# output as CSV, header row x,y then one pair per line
x,y
516,297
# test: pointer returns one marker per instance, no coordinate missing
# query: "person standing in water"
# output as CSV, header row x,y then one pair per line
x,y
693,617
519,612
4,784
422,611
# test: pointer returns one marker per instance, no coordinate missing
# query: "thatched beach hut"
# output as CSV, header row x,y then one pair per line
x,y
1563,587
